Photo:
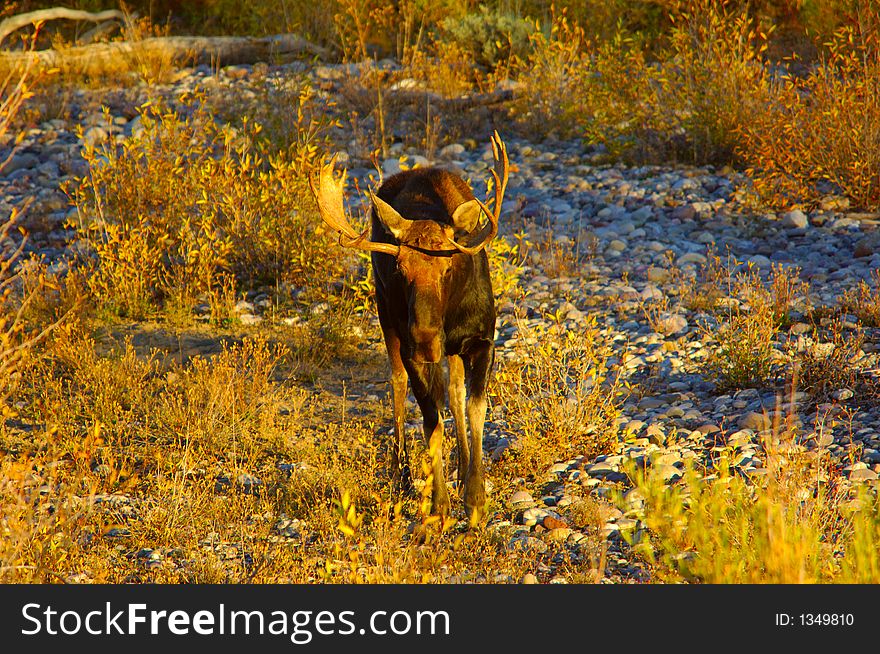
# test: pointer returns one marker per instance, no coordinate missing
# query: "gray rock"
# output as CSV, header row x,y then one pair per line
x,y
21,161
668,473
452,151
756,421
795,219
95,135
391,166
862,474
671,324
521,499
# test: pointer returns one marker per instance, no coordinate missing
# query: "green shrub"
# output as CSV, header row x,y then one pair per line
x,y
490,37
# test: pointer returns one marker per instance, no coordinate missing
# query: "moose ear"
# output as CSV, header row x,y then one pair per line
x,y
466,216
393,222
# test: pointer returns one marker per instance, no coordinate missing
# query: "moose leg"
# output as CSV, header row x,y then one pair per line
x,y
456,405
428,386
477,380
400,472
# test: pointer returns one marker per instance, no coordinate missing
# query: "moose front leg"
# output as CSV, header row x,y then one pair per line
x,y
457,406
429,387
480,365
400,471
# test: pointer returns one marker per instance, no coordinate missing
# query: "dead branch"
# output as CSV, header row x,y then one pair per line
x,y
14,23
460,103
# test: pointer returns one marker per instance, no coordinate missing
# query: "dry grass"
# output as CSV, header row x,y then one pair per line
x,y
791,525
135,467
863,301
559,395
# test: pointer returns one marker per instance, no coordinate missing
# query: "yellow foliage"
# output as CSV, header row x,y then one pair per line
x,y
186,205
821,134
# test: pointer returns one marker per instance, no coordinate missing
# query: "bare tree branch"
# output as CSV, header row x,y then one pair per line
x,y
14,23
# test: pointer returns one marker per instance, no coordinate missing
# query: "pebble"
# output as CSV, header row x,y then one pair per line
x,y
671,324
521,499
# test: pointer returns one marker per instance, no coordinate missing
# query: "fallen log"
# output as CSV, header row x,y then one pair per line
x,y
184,50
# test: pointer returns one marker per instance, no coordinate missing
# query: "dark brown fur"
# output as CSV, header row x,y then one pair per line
x,y
434,301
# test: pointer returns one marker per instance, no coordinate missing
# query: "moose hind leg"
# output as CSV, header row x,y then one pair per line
x,y
429,387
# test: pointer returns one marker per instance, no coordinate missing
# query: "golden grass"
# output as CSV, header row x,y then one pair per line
x,y
792,525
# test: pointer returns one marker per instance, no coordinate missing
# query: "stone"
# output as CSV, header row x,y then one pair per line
x,y
534,516
21,161
551,522
756,421
521,499
795,219
865,247
671,324
648,403
391,166
559,534
863,474
684,212
452,151
692,257
94,135
668,473
601,470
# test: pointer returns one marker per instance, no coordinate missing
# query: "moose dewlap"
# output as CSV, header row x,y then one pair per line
x,y
428,237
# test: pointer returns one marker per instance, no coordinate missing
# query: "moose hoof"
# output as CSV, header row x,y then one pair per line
x,y
475,503
440,504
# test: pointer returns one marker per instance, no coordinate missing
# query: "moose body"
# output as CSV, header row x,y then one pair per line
x,y
434,299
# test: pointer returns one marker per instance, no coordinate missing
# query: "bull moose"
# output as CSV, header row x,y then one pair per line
x,y
434,298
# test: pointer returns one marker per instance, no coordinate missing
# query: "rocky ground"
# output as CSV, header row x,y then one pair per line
x,y
627,235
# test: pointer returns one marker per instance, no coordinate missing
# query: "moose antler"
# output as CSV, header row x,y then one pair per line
x,y
500,173
329,196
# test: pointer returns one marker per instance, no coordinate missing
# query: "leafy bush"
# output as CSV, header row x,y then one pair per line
x,y
491,38
186,208
559,396
685,105
554,96
821,134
